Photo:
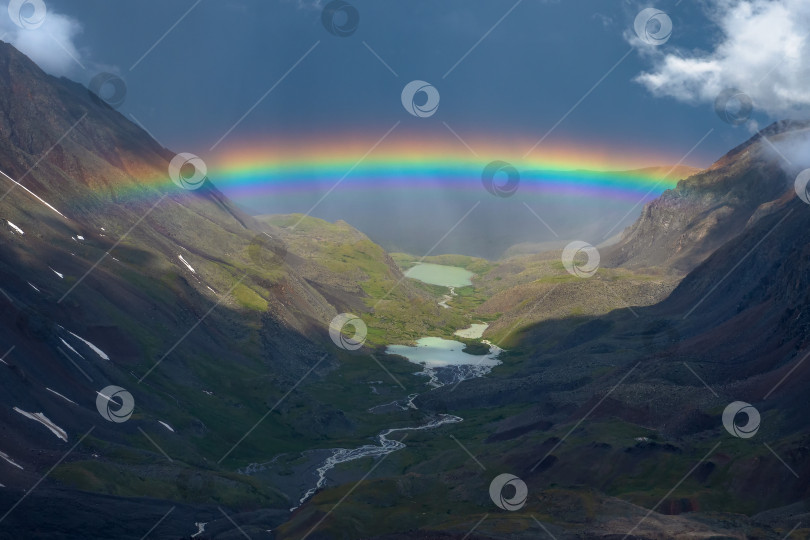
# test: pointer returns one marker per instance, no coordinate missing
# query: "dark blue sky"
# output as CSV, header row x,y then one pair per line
x,y
517,83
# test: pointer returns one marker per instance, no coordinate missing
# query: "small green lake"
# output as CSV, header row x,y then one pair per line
x,y
434,352
440,274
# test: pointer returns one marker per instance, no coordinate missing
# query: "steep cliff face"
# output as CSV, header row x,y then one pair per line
x,y
686,224
745,311
99,174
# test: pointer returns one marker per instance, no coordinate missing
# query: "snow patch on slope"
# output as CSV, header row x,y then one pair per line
x,y
98,351
37,197
7,458
200,529
186,263
42,419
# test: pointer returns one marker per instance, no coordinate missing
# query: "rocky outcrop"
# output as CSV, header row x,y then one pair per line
x,y
685,225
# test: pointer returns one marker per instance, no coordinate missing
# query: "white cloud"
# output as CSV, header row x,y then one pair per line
x,y
763,50
792,152
51,45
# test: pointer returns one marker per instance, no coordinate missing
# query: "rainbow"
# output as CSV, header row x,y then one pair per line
x,y
276,168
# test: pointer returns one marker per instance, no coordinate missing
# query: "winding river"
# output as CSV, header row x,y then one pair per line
x,y
442,361
386,446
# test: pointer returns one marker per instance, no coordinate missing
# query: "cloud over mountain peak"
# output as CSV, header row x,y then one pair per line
x,y
762,51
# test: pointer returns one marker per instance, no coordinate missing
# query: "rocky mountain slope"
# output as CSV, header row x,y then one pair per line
x,y
627,406
525,290
110,274
685,225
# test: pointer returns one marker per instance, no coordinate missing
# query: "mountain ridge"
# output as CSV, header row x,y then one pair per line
x,y
214,319
216,322
686,224
195,313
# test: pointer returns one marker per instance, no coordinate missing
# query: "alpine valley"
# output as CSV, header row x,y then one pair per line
x,y
603,395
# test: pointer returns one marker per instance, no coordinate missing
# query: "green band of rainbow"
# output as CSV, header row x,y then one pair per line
x,y
273,169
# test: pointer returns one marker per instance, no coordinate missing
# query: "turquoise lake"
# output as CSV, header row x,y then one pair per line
x,y
436,352
440,274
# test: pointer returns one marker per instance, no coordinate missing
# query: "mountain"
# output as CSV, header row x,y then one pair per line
x,y
674,233
607,404
606,416
113,275
524,290
686,224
